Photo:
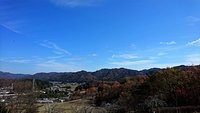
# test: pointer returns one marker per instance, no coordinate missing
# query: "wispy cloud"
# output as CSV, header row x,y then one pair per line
x,y
12,26
55,66
8,19
124,56
133,46
194,43
75,3
55,57
162,53
56,49
93,55
20,61
193,59
131,63
168,43
41,64
15,60
192,20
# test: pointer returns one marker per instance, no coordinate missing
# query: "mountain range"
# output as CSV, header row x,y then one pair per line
x,y
84,76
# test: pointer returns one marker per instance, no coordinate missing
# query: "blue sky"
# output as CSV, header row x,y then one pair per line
x,y
73,35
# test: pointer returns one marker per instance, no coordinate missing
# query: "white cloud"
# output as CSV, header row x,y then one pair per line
x,y
125,56
55,66
131,63
75,3
11,26
20,61
55,57
193,59
8,18
47,64
56,49
15,60
168,43
152,63
163,65
94,55
162,53
194,43
192,20
132,46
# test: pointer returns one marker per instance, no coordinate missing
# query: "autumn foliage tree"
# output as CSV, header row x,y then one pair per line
x,y
170,87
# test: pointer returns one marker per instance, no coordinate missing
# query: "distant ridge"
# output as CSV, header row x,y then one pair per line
x,y
84,76
11,75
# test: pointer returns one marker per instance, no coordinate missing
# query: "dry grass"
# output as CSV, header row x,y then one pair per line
x,y
65,107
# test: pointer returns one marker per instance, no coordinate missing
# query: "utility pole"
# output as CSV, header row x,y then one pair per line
x,y
12,87
33,87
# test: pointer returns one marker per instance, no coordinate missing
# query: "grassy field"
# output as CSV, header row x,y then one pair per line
x,y
65,107
72,85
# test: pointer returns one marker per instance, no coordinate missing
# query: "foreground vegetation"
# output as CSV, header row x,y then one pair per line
x,y
165,88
